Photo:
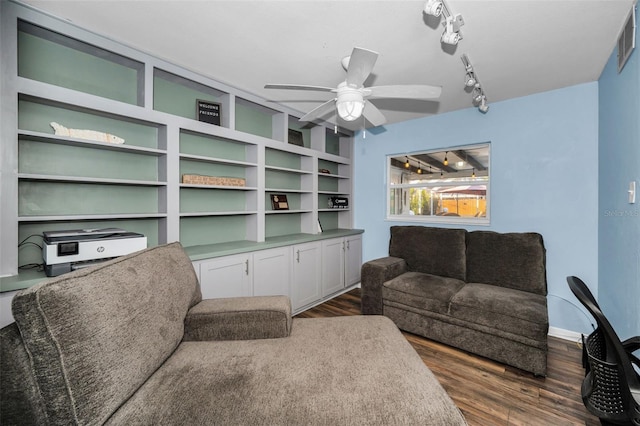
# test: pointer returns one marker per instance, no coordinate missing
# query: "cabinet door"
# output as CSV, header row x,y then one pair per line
x,y
228,276
353,259
272,272
332,266
306,263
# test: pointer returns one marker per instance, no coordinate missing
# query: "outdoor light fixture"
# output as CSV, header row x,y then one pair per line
x,y
452,23
473,173
478,96
419,168
446,161
406,163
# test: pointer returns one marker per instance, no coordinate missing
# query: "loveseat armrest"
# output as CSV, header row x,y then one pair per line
x,y
239,318
375,273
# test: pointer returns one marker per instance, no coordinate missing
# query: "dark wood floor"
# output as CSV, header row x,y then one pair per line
x,y
489,393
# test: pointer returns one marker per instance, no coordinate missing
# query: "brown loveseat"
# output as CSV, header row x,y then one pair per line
x,y
132,343
480,291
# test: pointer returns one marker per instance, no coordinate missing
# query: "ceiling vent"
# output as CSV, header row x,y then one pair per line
x,y
627,39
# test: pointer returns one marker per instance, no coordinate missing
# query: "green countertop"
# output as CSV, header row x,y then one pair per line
x,y
26,279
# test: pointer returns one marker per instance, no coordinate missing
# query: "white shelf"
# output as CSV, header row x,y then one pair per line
x,y
90,180
229,187
229,213
214,160
65,218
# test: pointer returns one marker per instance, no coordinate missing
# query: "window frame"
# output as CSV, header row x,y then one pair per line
x,y
438,182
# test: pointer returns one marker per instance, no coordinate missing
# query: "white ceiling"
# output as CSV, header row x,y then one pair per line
x,y
517,47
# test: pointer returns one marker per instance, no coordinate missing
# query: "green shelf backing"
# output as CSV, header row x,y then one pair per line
x,y
329,165
210,146
38,198
277,158
212,200
211,169
253,120
282,224
55,59
29,253
36,116
64,160
213,229
332,143
176,95
327,184
328,220
282,180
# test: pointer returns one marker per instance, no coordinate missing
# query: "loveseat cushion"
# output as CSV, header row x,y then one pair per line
x,y
512,311
94,336
423,291
437,251
512,260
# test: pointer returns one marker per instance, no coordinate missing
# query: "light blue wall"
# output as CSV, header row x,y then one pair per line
x,y
544,158
619,221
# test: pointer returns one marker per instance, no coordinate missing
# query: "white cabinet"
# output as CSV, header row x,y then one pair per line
x,y
341,263
309,273
272,272
307,261
332,266
353,259
228,276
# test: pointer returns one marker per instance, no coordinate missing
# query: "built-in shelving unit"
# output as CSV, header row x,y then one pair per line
x,y
59,73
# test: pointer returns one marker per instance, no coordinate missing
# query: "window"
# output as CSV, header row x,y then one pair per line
x,y
448,186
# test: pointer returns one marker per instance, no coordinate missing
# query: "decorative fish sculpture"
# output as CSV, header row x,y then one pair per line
x,y
92,135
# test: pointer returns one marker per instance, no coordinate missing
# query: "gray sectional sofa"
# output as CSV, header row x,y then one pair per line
x,y
131,342
480,291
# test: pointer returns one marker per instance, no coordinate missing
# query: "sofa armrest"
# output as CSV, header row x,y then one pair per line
x,y
239,318
374,274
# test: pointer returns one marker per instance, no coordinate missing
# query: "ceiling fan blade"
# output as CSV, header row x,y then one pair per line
x,y
373,114
410,91
361,63
319,111
299,87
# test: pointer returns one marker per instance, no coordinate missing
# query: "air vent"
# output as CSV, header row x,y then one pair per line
x,y
627,39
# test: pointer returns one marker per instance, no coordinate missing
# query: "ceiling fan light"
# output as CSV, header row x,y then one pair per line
x,y
433,7
350,105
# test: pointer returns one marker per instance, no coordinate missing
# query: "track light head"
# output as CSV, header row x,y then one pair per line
x,y
483,107
451,34
433,7
469,80
477,96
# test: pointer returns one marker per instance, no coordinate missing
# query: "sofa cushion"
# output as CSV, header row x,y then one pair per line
x,y
512,260
422,291
436,251
94,336
512,311
355,370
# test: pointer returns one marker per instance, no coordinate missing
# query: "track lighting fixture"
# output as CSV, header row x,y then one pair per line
x,y
452,23
433,7
478,96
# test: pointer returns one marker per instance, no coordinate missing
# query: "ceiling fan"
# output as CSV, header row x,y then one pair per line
x,y
350,94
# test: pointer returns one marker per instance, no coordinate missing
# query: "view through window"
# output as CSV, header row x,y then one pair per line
x,y
450,185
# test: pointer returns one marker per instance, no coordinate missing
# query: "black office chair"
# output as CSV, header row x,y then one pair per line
x,y
611,387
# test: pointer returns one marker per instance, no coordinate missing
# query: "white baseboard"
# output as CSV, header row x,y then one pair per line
x,y
561,333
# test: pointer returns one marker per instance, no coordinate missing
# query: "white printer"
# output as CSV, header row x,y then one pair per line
x,y
65,251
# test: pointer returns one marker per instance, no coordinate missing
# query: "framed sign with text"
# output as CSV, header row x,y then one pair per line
x,y
208,112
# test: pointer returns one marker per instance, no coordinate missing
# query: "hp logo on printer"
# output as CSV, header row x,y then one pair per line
x,y
100,249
